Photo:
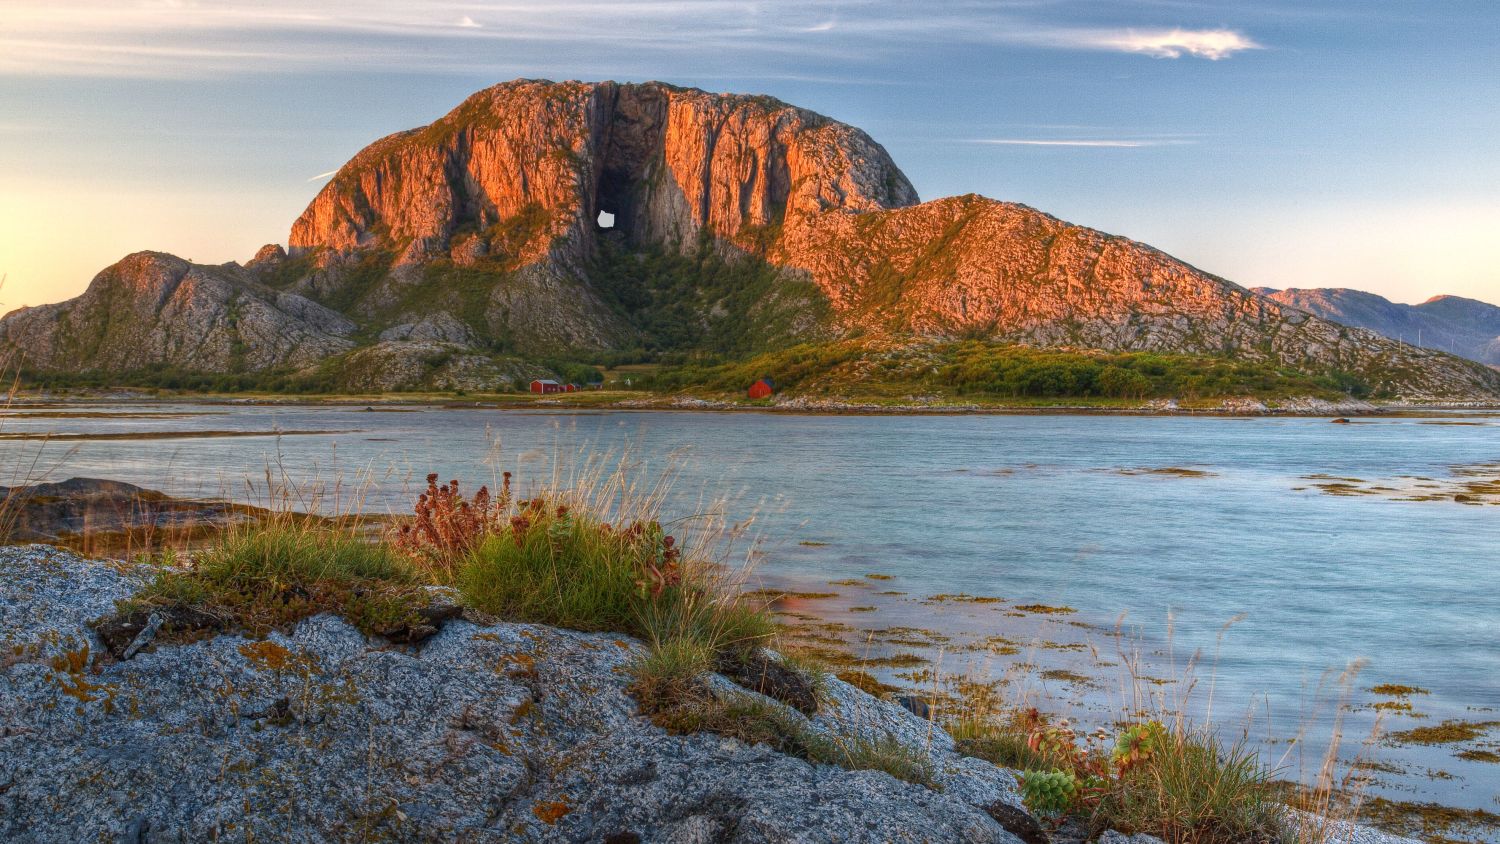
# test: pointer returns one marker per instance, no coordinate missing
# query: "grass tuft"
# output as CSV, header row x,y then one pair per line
x,y
269,576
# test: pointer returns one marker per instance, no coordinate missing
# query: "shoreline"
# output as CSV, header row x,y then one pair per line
x,y
1306,407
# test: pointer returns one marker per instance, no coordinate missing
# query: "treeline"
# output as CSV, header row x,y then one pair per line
x,y
192,382
980,368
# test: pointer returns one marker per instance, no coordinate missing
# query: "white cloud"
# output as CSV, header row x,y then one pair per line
x,y
1211,44
321,176
467,22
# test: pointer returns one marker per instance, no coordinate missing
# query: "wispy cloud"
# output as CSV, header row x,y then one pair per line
x,y
184,37
1076,142
321,176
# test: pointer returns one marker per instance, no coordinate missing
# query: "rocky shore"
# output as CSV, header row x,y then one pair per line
x,y
486,731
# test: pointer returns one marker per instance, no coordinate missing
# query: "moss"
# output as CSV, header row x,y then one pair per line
x,y
866,682
1448,732
1397,690
758,722
1043,609
1489,756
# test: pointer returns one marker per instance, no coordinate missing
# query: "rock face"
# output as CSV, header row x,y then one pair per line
x,y
486,733
667,162
1465,327
481,231
152,310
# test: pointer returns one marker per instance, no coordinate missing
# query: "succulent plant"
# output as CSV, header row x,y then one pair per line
x,y
1137,744
1049,792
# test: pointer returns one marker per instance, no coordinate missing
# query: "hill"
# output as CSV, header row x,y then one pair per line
x,y
470,253
1466,327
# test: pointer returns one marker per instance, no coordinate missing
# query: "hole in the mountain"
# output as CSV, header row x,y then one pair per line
x,y
606,220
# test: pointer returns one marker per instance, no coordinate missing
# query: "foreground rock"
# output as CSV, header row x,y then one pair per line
x,y
487,733
104,510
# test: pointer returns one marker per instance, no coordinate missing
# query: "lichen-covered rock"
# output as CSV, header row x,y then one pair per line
x,y
484,733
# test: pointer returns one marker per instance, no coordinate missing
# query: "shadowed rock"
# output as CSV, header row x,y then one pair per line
x,y
103,510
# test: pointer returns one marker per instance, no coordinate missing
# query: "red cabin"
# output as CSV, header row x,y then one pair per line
x,y
762,389
546,385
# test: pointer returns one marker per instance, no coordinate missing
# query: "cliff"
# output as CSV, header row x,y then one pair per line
x,y
740,224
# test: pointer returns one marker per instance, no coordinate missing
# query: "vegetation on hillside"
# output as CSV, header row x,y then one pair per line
x,y
699,301
976,368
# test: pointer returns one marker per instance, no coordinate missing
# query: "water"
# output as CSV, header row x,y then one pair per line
x,y
1046,509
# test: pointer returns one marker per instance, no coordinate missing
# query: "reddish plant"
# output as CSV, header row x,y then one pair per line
x,y
447,526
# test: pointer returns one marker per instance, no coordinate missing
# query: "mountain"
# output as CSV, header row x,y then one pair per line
x,y
471,250
1465,327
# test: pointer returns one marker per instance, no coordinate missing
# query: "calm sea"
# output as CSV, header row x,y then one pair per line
x,y
1297,534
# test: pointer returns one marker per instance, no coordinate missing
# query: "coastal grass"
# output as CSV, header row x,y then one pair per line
x,y
1180,784
270,575
1195,788
556,565
589,553
689,708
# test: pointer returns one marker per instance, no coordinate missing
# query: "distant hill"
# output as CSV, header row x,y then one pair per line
x,y
467,254
1465,327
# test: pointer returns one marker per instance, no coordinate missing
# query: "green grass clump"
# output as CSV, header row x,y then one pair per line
x,y
1196,789
756,721
274,574
1178,784
553,564
1000,744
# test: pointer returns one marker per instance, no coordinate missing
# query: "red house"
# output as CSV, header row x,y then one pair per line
x,y
546,385
570,388
762,389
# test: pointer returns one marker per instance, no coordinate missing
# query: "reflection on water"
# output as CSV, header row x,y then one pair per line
x,y
1180,522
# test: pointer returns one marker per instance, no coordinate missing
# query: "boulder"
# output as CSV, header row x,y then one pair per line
x,y
482,733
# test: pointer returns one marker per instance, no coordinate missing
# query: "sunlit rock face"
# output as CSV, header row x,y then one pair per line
x,y
666,162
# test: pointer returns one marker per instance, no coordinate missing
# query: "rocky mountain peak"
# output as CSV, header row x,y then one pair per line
x,y
524,162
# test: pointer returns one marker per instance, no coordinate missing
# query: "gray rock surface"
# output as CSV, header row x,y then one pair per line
x,y
1114,837
486,733
153,310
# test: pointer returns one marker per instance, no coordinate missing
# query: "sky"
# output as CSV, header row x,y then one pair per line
x,y
1283,143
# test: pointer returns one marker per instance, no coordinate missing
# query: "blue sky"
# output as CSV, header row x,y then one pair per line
x,y
1274,143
